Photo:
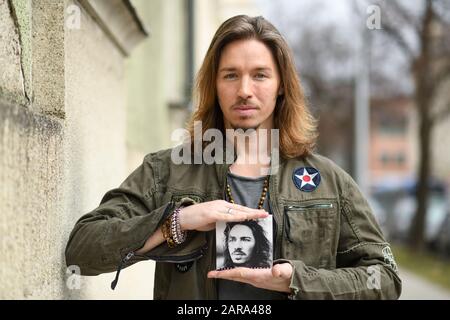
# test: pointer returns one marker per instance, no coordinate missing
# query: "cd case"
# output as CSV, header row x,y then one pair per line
x,y
244,244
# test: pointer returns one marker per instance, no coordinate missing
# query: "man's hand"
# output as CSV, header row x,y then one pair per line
x,y
203,216
277,278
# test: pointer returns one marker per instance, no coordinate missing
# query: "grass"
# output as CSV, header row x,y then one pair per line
x,y
425,264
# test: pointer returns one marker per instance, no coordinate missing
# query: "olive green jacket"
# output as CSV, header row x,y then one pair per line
x,y
329,235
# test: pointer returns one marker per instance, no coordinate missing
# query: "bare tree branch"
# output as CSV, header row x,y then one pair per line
x,y
392,11
394,33
406,16
441,11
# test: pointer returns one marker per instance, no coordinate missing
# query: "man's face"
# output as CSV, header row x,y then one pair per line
x,y
240,244
248,83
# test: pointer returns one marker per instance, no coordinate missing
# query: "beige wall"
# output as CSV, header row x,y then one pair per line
x,y
31,158
30,214
95,150
62,145
156,78
209,15
96,143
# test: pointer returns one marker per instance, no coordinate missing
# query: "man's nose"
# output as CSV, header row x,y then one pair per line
x,y
245,89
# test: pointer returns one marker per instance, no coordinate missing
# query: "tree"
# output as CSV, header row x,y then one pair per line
x,y
323,52
424,38
324,60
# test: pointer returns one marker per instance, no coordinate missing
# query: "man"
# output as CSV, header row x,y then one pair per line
x,y
246,245
327,244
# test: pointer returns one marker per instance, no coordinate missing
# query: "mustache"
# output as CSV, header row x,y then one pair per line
x,y
238,251
241,102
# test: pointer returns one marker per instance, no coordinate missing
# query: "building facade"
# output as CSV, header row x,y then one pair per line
x,y
62,132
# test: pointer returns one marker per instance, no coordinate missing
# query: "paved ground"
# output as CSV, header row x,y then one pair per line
x,y
417,288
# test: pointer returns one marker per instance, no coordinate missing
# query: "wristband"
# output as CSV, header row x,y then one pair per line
x,y
175,228
165,229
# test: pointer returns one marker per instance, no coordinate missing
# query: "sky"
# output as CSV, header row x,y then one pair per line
x,y
291,16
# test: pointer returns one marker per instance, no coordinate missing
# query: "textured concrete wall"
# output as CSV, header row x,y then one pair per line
x,y
21,13
31,147
48,57
12,82
31,238
62,146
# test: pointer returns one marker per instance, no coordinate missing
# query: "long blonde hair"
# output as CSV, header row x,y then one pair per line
x,y
297,126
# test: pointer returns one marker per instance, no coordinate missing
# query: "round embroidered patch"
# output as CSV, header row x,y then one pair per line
x,y
184,267
306,179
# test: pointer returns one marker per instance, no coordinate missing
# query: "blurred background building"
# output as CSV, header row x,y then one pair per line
x,y
161,70
88,87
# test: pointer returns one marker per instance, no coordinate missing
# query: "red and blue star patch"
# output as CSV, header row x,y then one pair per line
x,y
306,179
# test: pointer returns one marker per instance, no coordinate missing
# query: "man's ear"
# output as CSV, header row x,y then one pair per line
x,y
281,91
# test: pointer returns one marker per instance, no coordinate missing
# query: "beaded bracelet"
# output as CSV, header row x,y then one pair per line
x,y
165,229
178,236
171,230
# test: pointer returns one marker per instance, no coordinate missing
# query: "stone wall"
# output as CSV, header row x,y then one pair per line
x,y
62,137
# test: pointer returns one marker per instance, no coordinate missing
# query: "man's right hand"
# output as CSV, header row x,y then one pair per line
x,y
203,216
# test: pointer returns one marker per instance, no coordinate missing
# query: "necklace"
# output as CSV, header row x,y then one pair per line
x,y
263,194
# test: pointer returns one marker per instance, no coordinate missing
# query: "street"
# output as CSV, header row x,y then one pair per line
x,y
418,288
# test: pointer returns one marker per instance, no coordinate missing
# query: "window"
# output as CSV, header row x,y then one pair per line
x,y
384,159
401,159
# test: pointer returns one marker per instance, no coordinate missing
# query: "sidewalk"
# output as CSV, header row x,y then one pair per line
x,y
417,288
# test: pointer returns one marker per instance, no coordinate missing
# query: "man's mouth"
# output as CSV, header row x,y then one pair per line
x,y
245,107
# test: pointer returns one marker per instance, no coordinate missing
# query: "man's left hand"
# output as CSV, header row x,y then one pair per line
x,y
276,278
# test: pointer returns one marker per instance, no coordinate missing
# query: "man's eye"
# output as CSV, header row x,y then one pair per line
x,y
260,76
230,76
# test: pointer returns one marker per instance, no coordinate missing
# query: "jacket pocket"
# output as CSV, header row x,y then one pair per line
x,y
310,229
187,199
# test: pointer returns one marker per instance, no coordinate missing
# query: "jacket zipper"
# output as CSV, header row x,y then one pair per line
x,y
132,254
122,263
170,259
311,206
278,225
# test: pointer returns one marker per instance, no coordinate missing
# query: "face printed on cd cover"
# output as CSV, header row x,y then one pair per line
x,y
244,244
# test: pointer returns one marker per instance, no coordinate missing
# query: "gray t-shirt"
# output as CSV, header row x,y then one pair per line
x,y
246,191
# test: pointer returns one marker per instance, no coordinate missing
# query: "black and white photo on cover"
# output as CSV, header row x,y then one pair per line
x,y
244,244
